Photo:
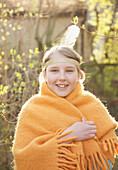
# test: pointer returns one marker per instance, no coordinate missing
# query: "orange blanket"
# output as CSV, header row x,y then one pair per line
x,y
42,120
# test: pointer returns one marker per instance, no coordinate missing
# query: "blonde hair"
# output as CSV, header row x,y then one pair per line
x,y
68,52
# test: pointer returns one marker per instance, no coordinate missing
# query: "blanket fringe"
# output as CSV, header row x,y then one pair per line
x,y
110,145
66,159
82,163
98,160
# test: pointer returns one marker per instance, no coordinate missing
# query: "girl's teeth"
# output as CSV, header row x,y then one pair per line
x,y
62,86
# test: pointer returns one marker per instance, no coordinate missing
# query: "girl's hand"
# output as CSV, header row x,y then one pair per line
x,y
81,130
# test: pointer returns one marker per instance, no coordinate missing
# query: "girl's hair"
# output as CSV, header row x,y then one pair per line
x,y
68,52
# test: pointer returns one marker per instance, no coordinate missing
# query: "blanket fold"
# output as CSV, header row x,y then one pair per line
x,y
43,118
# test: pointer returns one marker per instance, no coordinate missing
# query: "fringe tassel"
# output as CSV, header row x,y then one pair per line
x,y
113,146
70,161
67,163
97,160
103,159
59,133
85,163
89,163
98,168
63,166
94,162
67,152
110,144
82,165
104,145
66,159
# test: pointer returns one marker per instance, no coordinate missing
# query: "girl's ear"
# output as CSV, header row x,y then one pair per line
x,y
44,74
79,75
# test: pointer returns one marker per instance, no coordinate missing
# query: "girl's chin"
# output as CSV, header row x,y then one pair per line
x,y
62,94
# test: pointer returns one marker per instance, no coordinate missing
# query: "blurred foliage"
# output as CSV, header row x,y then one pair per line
x,y
102,23
102,80
19,72
20,82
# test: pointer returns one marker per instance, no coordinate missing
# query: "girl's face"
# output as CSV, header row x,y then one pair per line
x,y
61,78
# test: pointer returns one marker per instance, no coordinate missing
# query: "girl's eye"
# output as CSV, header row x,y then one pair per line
x,y
69,70
54,70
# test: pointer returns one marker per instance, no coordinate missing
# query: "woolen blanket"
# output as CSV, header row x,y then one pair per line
x,y
43,118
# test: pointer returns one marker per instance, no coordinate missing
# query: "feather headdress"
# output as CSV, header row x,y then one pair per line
x,y
70,36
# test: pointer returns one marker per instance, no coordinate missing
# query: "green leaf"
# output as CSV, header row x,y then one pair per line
x,y
15,83
30,56
19,57
23,84
36,51
7,33
6,67
4,5
2,106
18,75
91,58
10,25
24,68
3,38
41,16
33,84
20,65
19,27
10,137
83,26
11,51
19,89
75,20
6,141
0,5
23,54
5,89
31,51
10,148
18,4
2,53
31,65
14,28
5,24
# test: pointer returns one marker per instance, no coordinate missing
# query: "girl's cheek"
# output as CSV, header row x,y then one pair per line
x,y
71,77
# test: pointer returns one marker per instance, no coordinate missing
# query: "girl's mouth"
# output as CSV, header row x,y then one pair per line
x,y
62,86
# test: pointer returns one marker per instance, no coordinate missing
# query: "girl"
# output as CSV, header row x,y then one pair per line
x,y
64,127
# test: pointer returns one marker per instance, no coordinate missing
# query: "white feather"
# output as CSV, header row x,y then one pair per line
x,y
70,36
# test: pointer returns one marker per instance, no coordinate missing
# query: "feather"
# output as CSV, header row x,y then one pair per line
x,y
70,36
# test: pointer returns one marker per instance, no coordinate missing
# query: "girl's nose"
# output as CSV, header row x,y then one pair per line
x,y
62,76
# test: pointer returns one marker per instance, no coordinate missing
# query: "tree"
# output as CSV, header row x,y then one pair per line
x,y
102,23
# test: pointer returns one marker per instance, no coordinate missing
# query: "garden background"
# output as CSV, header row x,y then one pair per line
x,y
28,28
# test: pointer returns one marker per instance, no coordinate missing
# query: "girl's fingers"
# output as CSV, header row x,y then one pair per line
x,y
90,122
83,120
92,135
92,128
94,131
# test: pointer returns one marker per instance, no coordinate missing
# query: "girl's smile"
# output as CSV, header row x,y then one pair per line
x,y
61,77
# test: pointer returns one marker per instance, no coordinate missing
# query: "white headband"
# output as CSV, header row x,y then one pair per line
x,y
64,60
